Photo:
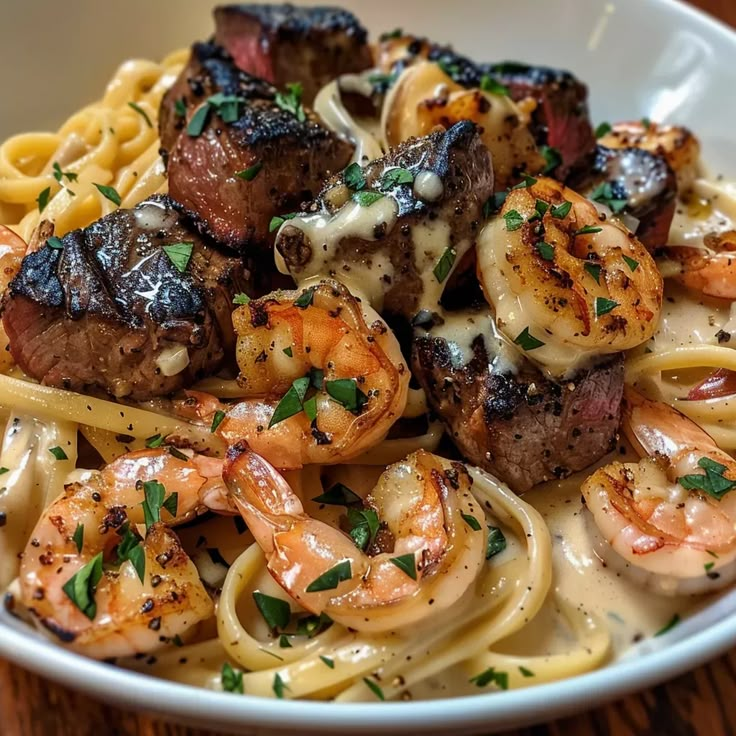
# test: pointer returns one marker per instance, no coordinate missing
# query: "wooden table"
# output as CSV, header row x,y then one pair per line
x,y
701,703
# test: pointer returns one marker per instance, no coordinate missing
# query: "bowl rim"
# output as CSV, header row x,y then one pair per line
x,y
128,688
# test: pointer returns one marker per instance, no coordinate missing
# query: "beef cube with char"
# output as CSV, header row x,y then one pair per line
x,y
111,308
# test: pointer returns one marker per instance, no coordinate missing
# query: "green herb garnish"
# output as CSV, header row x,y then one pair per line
x,y
367,197
496,542
276,612
141,112
545,250
526,341
669,625
109,193
154,441
364,526
560,211
443,267
338,495
604,306
353,177
513,220
588,230
713,482
407,564
631,263
231,679
552,157
217,420
603,194
345,391
43,199
489,84
526,182
78,537
58,453
251,172
292,401
241,299
130,548
525,672
500,679
603,129
80,588
594,270
291,100
393,177
472,522
278,220
55,243
180,107
374,688
278,684
494,203
332,578
305,298
59,174
179,254
329,662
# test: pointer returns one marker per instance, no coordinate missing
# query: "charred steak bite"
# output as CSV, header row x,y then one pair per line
x,y
210,70
635,182
396,228
287,43
504,415
137,305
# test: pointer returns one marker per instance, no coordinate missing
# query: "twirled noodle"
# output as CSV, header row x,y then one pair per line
x,y
108,143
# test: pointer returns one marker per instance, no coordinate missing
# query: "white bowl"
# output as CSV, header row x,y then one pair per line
x,y
657,58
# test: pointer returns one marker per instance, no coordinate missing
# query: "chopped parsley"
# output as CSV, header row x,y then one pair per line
x,y
545,250
81,587
494,203
443,267
489,84
231,679
393,177
241,299
288,352
407,564
367,197
310,626
109,193
588,230
338,495
472,522
278,220
388,35
345,391
604,306
179,254
141,112
500,679
526,182
496,542
332,578
78,538
291,101
180,107
329,662
217,420
154,441
374,688
631,263
58,453
526,341
199,120
130,548
55,243
669,625
43,199
4,470
560,211
513,220
305,298
284,642
251,172
713,482
292,401
353,177
709,566
646,122
603,129
603,194
153,501
278,684
552,157
276,612
594,270
310,408
59,174
525,672
171,504
364,526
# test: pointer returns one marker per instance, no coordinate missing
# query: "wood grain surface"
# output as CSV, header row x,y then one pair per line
x,y
701,703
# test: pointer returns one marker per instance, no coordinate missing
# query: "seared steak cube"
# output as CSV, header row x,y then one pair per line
x,y
138,304
288,43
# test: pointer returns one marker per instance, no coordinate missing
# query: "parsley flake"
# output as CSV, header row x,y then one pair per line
x,y
443,267
374,688
305,298
58,453
43,199
179,254
345,391
251,172
494,203
278,684
217,420
603,194
367,197
59,174
669,625
130,548
231,679
329,662
472,522
278,220
288,352
603,129
241,299
513,220
496,542
55,243
276,612
364,526
545,250
604,306
292,401
80,588
109,193
78,538
713,482
332,578
338,495
631,263
500,679
154,493
291,101
588,230
394,177
141,112
154,441
353,177
489,84
552,157
594,269
526,182
525,672
560,211
180,107
407,564
526,341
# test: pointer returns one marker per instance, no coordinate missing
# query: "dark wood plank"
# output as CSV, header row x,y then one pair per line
x,y
701,703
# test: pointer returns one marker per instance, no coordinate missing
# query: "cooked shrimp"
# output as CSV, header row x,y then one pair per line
x,y
423,559
424,97
711,270
565,282
320,341
676,144
92,517
669,522
12,250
